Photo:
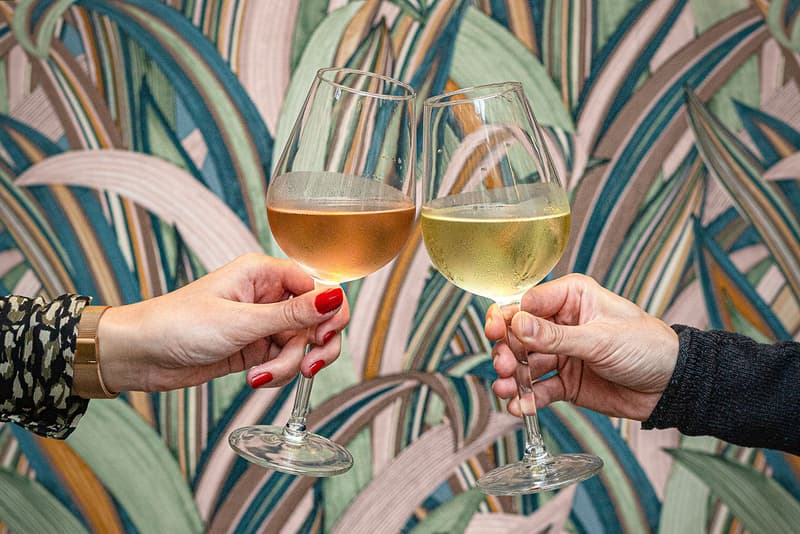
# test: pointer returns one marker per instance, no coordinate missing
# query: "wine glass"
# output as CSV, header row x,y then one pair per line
x,y
495,220
341,205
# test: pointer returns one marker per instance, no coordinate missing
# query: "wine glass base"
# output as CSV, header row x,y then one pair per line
x,y
552,473
268,447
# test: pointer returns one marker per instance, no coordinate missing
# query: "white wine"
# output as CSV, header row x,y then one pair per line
x,y
494,250
338,227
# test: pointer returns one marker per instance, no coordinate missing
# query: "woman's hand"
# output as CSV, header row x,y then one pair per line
x,y
255,313
609,355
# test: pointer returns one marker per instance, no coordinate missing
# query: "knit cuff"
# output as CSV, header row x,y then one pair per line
x,y
731,387
680,398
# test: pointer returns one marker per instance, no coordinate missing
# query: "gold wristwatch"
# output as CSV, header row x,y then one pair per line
x,y
87,381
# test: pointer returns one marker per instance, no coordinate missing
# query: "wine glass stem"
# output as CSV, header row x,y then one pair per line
x,y
295,429
535,450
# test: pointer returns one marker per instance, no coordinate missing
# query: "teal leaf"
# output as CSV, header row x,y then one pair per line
x,y
741,174
25,506
46,26
758,501
724,285
773,138
452,516
133,462
486,52
776,17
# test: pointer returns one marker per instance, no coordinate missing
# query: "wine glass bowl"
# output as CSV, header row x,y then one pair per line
x,y
334,236
495,221
341,205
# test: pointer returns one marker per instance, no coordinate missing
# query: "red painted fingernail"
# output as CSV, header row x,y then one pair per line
x,y
260,379
315,367
329,300
327,337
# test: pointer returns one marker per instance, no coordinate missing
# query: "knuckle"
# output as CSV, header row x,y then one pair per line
x,y
291,313
577,278
554,337
246,262
584,283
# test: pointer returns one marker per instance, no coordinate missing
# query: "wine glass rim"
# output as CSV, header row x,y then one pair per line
x,y
410,95
501,89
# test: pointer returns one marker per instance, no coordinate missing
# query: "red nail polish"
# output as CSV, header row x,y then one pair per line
x,y
315,367
260,379
327,337
329,300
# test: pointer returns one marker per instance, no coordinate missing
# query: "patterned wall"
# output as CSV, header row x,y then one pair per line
x,y
136,141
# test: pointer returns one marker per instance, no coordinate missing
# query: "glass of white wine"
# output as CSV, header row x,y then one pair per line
x,y
495,221
341,205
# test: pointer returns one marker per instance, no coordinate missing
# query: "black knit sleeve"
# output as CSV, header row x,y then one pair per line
x,y
36,363
728,386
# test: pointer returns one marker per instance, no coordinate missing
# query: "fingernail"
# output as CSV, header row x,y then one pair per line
x,y
327,337
329,300
260,379
527,325
315,367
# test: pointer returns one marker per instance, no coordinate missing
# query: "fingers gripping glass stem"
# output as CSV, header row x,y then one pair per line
x,y
538,470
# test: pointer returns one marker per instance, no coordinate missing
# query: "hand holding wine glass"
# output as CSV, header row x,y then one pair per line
x,y
611,356
341,205
495,220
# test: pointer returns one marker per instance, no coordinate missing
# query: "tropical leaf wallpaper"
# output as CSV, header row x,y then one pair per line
x,y
136,143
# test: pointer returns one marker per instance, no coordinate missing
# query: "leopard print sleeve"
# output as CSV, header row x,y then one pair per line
x,y
36,363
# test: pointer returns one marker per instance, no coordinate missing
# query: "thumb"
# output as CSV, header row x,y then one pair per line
x,y
547,337
303,311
